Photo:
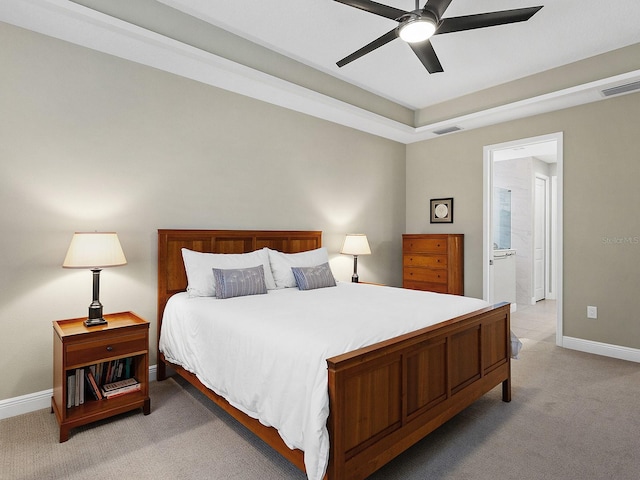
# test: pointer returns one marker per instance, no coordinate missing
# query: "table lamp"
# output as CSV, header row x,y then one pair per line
x,y
355,244
94,250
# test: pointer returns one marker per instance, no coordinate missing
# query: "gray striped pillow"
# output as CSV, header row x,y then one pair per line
x,y
238,282
309,278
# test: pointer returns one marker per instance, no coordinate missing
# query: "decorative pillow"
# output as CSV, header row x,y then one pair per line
x,y
238,282
199,267
281,264
309,278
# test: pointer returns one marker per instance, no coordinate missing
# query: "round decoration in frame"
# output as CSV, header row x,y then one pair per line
x,y
442,210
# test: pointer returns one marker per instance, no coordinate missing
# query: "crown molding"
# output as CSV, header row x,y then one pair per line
x,y
83,26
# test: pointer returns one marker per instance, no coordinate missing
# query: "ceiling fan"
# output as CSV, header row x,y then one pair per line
x,y
417,26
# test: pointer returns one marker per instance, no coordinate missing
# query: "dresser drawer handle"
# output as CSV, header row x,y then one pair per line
x,y
109,348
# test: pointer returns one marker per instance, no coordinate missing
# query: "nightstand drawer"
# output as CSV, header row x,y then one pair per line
x,y
106,348
434,261
425,275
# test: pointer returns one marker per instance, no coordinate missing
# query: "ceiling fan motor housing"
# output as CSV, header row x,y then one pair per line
x,y
417,26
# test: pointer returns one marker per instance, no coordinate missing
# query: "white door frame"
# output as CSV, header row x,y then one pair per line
x,y
487,239
547,236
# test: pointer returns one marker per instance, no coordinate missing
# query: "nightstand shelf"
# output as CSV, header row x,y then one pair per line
x,y
126,336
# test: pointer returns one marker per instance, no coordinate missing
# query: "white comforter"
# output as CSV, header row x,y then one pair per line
x,y
266,354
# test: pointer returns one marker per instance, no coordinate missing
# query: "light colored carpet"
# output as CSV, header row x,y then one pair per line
x,y
573,416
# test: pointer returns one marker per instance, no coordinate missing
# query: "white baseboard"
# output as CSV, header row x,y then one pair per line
x,y
153,370
604,349
31,402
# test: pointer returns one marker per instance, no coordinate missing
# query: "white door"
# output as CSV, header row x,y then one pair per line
x,y
539,239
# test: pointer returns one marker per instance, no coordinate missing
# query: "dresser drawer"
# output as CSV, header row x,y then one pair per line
x,y
425,286
425,275
427,245
83,353
432,261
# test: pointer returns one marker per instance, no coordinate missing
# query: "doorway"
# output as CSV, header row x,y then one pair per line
x,y
531,170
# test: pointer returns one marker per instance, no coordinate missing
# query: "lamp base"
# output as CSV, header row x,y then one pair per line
x,y
94,322
354,277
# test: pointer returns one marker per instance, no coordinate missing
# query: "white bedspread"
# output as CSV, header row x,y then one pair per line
x,y
266,354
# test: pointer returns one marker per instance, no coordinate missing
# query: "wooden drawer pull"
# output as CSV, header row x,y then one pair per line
x,y
109,348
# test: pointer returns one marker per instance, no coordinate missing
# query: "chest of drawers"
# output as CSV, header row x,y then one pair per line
x,y
433,262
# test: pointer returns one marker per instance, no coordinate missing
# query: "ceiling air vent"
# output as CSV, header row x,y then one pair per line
x,y
620,89
447,130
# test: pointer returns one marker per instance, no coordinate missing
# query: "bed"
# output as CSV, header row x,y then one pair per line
x,y
382,398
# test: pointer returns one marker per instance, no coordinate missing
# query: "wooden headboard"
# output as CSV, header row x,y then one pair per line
x,y
171,275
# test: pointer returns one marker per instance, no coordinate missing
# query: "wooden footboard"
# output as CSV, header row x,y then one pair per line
x,y
383,398
386,397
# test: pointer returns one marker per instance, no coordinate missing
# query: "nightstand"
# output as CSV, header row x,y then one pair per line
x,y
78,349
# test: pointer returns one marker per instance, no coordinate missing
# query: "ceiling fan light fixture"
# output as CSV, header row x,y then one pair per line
x,y
417,29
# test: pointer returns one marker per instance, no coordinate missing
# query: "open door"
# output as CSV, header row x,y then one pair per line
x,y
544,274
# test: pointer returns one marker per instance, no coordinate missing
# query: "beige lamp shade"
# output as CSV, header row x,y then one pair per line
x,y
356,244
94,250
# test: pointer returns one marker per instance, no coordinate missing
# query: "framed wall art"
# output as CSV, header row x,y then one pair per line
x,y
442,210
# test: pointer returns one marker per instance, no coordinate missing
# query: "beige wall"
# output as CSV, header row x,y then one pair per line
x,y
92,142
601,200
89,141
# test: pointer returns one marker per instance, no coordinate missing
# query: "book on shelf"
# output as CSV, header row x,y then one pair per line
x,y
99,373
76,390
115,370
89,382
75,387
93,385
109,372
71,389
120,387
80,385
127,367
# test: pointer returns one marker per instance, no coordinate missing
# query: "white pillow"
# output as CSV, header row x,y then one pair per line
x,y
199,267
281,264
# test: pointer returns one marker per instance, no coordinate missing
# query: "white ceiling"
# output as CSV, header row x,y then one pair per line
x,y
321,32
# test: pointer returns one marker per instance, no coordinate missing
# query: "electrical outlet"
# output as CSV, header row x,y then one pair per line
x,y
592,312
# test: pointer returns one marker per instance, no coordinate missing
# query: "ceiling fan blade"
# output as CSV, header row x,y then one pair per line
x,y
481,20
427,55
438,6
378,42
374,7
